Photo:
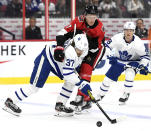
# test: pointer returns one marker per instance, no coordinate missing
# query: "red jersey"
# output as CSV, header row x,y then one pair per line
x,y
94,32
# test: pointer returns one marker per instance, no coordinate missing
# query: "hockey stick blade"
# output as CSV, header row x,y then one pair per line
x,y
113,121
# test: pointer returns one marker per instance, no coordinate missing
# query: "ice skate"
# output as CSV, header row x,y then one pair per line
x,y
80,106
12,108
124,98
62,110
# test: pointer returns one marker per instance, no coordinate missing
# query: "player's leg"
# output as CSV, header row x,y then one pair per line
x,y
112,75
63,97
129,79
104,88
39,75
88,65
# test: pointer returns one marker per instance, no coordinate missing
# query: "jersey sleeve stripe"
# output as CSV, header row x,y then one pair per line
x,y
65,74
145,58
65,68
56,66
106,45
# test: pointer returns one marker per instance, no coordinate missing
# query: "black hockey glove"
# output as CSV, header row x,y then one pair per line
x,y
143,69
59,54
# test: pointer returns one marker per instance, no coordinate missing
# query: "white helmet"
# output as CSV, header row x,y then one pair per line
x,y
81,43
129,25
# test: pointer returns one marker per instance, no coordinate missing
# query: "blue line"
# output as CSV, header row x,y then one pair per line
x,y
131,115
96,111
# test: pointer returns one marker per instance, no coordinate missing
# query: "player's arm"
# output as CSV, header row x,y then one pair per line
x,y
61,37
111,46
111,43
65,33
144,58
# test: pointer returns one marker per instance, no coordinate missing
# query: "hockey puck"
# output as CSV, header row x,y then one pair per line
x,y
99,123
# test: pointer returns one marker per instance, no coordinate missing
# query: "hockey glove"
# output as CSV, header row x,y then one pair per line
x,y
112,60
143,69
59,54
84,86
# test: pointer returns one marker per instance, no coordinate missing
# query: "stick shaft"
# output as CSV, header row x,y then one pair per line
x,y
98,105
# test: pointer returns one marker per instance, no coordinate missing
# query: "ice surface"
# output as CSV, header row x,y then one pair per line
x,y
38,110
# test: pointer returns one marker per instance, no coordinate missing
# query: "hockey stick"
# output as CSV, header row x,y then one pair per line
x,y
113,121
74,32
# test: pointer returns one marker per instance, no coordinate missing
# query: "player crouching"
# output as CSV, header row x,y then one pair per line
x,y
75,50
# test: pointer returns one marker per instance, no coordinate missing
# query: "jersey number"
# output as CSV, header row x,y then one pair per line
x,y
69,62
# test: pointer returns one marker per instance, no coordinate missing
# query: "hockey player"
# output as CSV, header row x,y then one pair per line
x,y
75,50
126,48
93,27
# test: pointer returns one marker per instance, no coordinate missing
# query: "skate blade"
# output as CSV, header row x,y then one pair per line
x,y
63,114
10,111
78,110
85,111
122,103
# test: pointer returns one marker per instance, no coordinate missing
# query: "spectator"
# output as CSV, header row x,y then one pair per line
x,y
135,8
61,8
52,8
80,4
32,8
140,30
33,31
14,9
96,2
4,2
121,8
107,9
147,5
1,35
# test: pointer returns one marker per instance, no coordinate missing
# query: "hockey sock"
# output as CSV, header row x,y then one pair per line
x,y
129,78
105,86
22,93
65,93
128,86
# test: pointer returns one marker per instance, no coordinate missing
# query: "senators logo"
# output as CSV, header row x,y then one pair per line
x,y
81,18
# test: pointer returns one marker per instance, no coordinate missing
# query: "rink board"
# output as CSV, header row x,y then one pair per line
x,y
17,61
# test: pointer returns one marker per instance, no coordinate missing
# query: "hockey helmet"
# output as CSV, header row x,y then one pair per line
x,y
129,25
91,9
81,43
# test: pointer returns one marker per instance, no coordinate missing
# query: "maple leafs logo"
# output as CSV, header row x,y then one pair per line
x,y
124,55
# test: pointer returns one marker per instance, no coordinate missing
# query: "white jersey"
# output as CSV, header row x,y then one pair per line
x,y
126,52
66,69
